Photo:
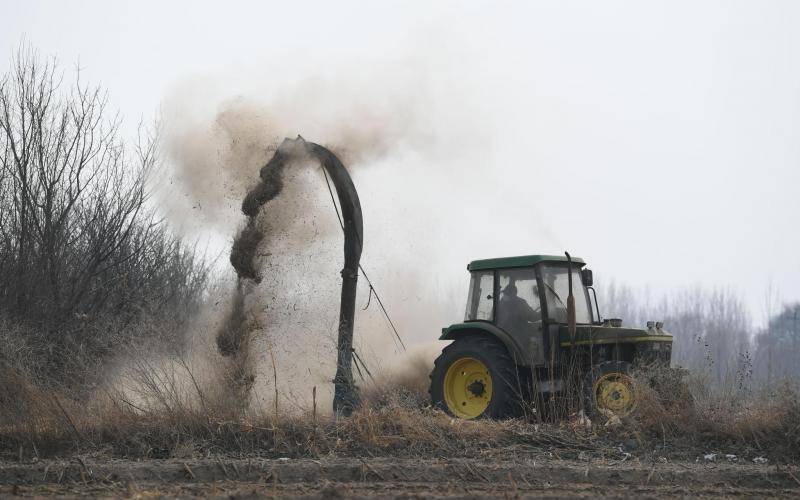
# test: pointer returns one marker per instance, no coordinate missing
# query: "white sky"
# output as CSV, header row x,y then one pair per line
x,y
658,140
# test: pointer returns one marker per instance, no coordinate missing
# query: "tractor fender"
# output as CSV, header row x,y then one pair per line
x,y
458,330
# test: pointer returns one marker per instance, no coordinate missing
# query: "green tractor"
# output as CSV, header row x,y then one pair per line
x,y
530,335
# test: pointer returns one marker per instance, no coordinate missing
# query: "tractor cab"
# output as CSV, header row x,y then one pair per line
x,y
522,295
517,333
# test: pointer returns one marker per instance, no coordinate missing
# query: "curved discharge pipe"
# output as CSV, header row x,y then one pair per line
x,y
244,247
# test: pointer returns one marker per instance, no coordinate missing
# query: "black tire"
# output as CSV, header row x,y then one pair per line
x,y
596,373
493,354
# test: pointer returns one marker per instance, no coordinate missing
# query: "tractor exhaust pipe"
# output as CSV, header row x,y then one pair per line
x,y
571,320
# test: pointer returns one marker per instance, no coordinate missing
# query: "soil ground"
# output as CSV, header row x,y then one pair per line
x,y
394,478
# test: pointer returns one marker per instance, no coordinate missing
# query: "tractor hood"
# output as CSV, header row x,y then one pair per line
x,y
601,334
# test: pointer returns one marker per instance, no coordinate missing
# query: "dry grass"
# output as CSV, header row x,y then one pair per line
x,y
164,420
394,425
672,419
677,407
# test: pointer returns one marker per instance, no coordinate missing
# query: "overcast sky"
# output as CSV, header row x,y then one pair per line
x,y
658,140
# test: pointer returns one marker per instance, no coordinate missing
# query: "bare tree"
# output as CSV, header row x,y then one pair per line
x,y
777,345
711,327
79,246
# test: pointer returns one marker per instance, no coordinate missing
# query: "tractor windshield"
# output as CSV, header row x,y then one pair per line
x,y
556,284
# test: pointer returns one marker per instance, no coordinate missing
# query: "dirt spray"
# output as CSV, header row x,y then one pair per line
x,y
233,339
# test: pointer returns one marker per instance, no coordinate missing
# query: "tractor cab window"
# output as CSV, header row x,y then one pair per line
x,y
480,303
556,284
518,310
518,306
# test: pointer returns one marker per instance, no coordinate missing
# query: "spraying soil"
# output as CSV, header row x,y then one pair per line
x,y
236,334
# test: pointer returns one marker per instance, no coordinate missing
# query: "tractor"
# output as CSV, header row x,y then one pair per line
x,y
531,335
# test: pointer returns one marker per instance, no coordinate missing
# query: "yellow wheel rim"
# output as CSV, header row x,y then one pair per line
x,y
467,388
615,393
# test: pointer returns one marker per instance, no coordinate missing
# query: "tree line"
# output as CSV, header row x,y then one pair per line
x,y
84,259
714,332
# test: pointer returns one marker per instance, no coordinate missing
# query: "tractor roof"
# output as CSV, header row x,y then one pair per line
x,y
519,261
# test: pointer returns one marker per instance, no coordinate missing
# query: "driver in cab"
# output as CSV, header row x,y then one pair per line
x,y
515,314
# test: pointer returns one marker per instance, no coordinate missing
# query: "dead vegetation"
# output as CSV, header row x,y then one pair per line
x,y
681,406
394,421
87,264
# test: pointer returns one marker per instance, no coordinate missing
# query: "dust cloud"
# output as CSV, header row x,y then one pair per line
x,y
217,150
419,223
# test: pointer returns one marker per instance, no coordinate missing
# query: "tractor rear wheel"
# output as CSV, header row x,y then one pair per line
x,y
610,390
475,377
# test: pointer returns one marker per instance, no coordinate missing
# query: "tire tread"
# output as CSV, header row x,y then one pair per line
x,y
501,363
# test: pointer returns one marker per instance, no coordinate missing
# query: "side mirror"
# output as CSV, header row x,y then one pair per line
x,y
586,277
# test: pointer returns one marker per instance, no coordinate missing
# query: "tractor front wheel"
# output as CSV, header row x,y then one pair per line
x,y
610,389
474,377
